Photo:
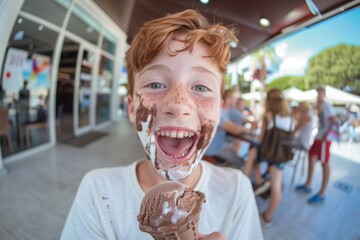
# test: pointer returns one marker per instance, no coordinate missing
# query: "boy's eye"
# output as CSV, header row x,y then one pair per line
x,y
201,88
156,85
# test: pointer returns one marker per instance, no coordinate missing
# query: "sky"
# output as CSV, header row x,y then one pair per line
x,y
296,49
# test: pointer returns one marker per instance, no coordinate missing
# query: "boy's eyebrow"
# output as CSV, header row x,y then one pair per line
x,y
203,69
160,67
156,67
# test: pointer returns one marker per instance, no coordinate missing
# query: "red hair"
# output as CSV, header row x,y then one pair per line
x,y
156,34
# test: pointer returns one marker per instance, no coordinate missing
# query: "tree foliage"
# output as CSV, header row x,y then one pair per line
x,y
286,82
338,66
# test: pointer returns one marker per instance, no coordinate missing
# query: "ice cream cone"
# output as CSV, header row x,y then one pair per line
x,y
188,232
171,211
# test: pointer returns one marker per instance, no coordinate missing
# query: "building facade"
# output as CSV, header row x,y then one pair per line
x,y
60,61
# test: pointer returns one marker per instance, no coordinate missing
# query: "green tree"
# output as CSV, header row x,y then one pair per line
x,y
244,86
338,66
227,80
286,82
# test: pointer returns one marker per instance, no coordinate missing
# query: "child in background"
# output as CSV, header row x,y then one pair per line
x,y
175,72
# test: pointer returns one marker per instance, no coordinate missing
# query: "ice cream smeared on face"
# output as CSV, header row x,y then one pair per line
x,y
144,125
169,206
170,148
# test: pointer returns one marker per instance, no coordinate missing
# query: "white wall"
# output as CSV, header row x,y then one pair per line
x,y
9,10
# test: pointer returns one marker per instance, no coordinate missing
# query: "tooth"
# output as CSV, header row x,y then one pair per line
x,y
163,133
158,133
180,135
186,134
173,134
167,133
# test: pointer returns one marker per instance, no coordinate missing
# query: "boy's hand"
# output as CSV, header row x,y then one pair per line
x,y
212,236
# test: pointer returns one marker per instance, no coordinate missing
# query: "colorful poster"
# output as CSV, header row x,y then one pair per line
x,y
37,71
13,69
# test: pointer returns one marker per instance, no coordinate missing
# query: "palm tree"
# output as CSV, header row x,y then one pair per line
x,y
263,59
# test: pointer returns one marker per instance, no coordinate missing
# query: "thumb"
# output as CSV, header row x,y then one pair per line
x,y
212,236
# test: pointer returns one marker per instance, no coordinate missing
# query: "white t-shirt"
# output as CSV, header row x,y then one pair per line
x,y
326,112
108,201
304,134
285,123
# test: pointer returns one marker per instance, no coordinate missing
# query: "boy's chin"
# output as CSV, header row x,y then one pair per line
x,y
173,169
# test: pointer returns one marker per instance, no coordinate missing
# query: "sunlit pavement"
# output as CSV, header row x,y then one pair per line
x,y
337,218
349,150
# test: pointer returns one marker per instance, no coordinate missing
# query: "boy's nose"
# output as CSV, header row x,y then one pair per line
x,y
177,103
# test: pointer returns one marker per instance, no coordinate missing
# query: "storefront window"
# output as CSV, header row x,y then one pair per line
x,y
103,96
109,43
41,8
81,24
25,84
122,93
84,90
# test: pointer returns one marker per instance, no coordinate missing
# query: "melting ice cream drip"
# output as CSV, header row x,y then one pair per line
x,y
145,119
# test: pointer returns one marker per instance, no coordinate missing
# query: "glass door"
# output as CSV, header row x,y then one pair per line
x,y
65,90
83,97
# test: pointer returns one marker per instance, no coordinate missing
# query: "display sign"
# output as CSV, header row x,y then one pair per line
x,y
13,70
37,71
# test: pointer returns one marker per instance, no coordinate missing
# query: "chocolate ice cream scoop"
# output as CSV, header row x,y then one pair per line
x,y
171,210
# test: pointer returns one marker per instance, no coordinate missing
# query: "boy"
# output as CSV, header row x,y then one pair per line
x,y
175,69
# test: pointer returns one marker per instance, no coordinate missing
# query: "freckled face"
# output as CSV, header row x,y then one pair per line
x,y
185,91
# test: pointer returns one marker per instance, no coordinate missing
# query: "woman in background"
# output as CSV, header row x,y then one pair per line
x,y
278,110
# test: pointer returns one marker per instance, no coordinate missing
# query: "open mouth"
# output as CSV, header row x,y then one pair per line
x,y
176,144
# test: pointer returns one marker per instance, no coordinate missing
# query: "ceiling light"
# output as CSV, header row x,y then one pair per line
x,y
19,36
204,1
233,44
264,22
41,27
20,20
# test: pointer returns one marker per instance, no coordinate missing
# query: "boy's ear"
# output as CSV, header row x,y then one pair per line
x,y
131,109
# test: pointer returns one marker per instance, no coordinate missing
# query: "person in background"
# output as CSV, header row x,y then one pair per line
x,y
278,109
24,93
225,147
304,127
320,149
242,115
24,103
